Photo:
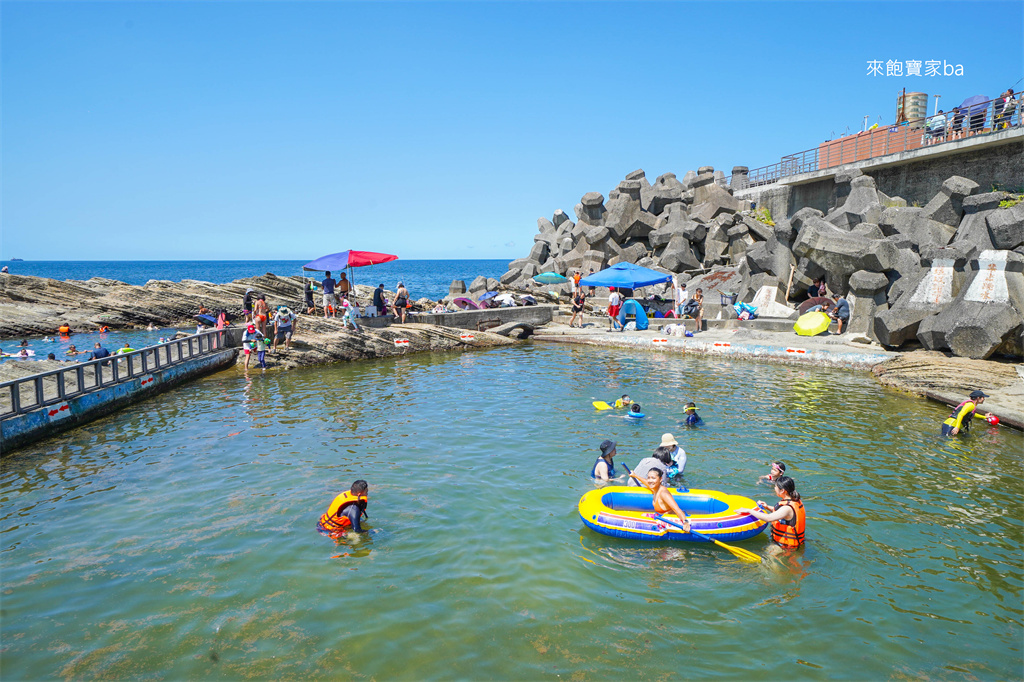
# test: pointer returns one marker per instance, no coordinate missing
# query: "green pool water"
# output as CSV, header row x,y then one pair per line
x,y
176,539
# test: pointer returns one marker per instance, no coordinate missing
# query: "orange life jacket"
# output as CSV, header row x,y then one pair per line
x,y
64,329
790,532
334,520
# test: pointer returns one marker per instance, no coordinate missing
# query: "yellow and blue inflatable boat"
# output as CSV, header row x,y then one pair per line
x,y
628,512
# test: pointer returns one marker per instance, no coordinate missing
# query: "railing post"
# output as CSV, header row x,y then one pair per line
x,y
38,386
16,397
61,389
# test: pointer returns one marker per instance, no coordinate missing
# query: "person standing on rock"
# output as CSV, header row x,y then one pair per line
x,y
401,301
578,301
963,414
344,286
678,296
840,312
284,325
307,294
378,299
591,291
247,305
261,314
614,303
329,300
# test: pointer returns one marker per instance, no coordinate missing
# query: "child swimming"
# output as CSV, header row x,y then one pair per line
x,y
635,412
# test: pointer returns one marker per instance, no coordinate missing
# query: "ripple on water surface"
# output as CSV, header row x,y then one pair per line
x,y
175,539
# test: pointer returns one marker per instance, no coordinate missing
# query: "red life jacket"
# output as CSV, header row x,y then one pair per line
x,y
790,532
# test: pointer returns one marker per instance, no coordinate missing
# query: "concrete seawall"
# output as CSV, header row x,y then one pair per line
x,y
23,429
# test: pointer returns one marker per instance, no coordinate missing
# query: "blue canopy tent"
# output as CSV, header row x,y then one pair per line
x,y
631,307
625,276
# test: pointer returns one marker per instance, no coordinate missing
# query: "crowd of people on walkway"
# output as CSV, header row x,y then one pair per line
x,y
964,121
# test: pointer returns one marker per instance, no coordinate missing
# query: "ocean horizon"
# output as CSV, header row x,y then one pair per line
x,y
430,278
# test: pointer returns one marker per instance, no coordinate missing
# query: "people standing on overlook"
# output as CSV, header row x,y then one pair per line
x,y
344,286
604,466
956,124
787,517
328,284
963,414
345,511
401,301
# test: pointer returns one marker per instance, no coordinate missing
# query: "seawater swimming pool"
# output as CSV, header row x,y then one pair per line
x,y
176,539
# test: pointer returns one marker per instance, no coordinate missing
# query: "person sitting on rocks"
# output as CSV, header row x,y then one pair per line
x,y
817,288
840,312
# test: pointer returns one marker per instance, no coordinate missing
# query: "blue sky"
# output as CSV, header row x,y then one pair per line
x,y
194,130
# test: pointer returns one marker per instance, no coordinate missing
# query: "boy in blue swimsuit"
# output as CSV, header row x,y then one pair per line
x,y
692,418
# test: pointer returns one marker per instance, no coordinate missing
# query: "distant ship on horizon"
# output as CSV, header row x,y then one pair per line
x,y
16,259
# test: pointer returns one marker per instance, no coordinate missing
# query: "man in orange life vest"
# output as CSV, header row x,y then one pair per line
x,y
787,518
344,513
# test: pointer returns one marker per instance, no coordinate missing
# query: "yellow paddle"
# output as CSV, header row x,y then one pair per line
x,y
602,405
738,551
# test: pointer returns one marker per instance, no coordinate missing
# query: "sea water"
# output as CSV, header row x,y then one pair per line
x,y
430,278
176,539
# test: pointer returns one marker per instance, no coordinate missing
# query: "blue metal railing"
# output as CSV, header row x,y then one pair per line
x,y
26,394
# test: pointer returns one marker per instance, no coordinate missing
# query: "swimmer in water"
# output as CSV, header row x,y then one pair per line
x,y
624,401
635,412
778,468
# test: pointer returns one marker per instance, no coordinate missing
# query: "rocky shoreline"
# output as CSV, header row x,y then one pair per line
x,y
947,275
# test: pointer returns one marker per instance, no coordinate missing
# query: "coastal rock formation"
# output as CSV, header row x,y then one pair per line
x,y
907,270
37,306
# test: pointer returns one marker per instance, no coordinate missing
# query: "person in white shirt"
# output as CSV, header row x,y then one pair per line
x,y
614,303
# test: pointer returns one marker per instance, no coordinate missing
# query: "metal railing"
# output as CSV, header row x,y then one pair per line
x,y
981,118
26,394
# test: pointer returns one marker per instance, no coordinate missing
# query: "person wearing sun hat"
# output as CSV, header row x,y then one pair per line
x,y
963,414
670,446
604,466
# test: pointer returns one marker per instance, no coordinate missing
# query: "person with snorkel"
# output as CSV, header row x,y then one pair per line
x,y
692,418
663,500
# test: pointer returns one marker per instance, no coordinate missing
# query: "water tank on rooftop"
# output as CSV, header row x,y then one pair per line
x,y
915,109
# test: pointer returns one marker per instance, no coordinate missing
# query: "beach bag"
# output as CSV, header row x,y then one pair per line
x,y
692,308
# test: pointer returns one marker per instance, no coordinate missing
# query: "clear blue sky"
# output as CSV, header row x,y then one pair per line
x,y
192,130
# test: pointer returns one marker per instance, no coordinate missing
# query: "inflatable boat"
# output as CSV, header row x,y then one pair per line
x,y
628,512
